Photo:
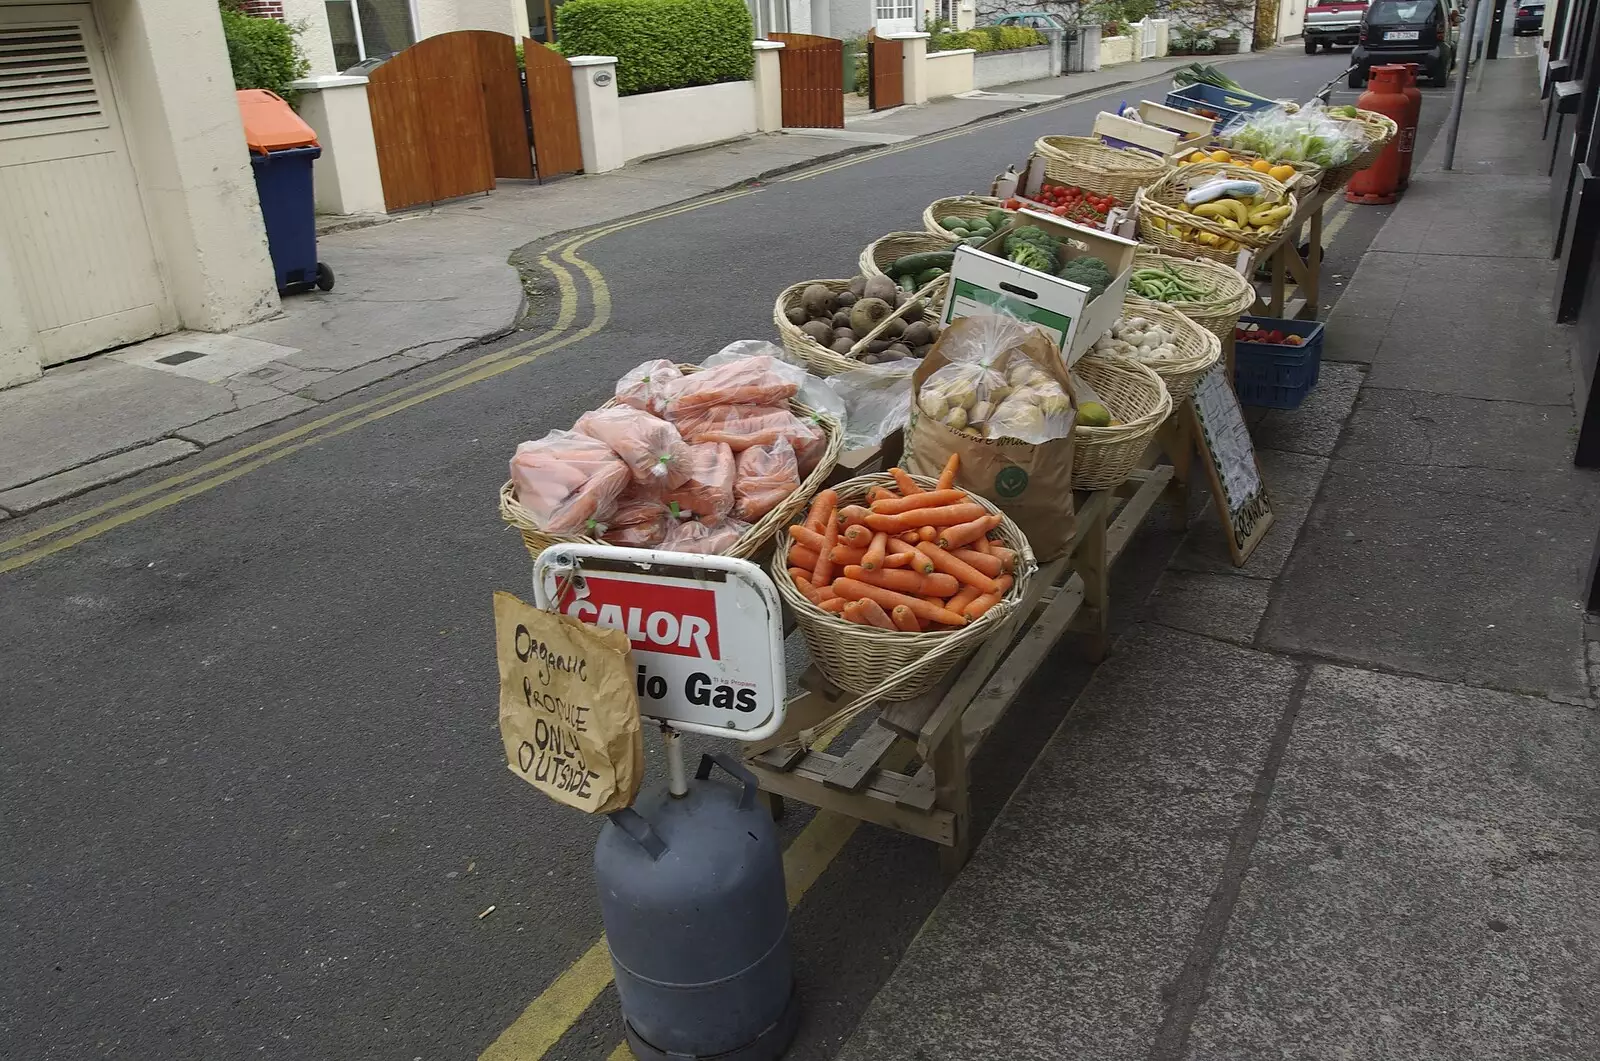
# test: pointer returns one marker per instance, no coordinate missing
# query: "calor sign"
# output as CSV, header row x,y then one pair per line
x,y
706,631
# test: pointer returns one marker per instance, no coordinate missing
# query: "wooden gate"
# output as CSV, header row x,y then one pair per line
x,y
552,110
886,86
813,90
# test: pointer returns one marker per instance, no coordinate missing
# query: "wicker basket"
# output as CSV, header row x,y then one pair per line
x,y
858,658
1231,293
886,250
1103,457
956,206
1158,209
825,362
1308,175
750,542
1084,162
1379,130
1198,349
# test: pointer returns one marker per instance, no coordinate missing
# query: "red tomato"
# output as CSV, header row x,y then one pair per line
x,y
1013,204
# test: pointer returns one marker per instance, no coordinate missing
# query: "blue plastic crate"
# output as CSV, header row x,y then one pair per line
x,y
1227,105
1273,376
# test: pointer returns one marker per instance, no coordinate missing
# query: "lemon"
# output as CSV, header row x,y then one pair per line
x,y
1093,414
1199,156
1221,156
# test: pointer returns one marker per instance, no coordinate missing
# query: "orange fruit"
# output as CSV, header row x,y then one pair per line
x,y
1221,156
1199,156
1281,173
1261,165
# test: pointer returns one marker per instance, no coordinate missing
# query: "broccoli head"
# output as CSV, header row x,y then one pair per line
x,y
1090,272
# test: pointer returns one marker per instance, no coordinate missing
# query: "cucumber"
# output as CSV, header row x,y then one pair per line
x,y
912,264
908,284
928,276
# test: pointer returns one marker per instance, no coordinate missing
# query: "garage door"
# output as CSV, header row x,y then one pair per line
x,y
70,214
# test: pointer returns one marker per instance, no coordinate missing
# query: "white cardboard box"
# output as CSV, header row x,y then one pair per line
x,y
1115,131
1189,127
982,281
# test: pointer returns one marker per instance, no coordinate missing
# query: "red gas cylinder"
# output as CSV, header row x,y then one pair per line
x,y
1408,129
1380,182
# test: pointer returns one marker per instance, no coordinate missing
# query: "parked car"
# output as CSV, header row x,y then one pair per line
x,y
1407,31
1032,20
1530,19
1332,23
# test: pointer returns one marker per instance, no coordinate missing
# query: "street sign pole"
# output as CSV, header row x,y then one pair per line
x,y
1464,55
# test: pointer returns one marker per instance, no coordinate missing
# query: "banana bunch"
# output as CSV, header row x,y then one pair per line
x,y
1235,214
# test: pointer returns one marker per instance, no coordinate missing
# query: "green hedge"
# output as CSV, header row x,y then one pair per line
x,y
661,44
989,39
262,52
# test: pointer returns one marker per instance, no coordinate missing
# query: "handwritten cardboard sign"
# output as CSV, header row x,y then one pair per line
x,y
569,717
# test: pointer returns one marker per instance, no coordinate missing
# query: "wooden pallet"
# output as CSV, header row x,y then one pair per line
x,y
946,727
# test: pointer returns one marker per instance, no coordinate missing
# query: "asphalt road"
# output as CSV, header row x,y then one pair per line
x,y
253,797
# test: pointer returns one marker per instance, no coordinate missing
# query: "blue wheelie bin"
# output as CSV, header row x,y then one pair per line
x,y
282,149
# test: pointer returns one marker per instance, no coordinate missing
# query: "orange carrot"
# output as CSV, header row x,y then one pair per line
x,y
879,493
899,581
874,614
926,499
805,536
960,601
908,485
988,600
989,565
1007,558
844,554
824,594
947,478
802,557
904,620
950,565
909,537
927,534
940,585
982,544
853,514
821,511
852,611
873,559
834,604
802,579
858,536
907,555
943,516
822,574
966,533
854,589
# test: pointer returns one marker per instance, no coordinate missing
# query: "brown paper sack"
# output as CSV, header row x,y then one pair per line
x,y
569,717
1030,483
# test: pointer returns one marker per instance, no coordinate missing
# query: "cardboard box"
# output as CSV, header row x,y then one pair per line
x,y
982,281
1189,126
1116,131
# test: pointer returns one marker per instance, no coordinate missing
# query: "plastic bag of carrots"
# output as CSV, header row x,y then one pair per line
x,y
914,560
644,386
567,481
641,519
694,536
744,426
652,448
708,488
765,477
747,381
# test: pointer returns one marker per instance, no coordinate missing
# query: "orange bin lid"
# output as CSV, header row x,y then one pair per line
x,y
270,124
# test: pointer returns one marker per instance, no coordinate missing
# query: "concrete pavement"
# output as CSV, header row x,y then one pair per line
x,y
419,286
1340,802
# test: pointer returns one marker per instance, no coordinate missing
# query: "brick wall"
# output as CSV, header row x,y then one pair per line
x,y
264,8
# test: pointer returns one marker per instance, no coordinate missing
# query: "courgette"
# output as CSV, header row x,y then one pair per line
x,y
912,264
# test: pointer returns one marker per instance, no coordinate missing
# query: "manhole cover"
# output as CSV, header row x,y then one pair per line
x,y
182,357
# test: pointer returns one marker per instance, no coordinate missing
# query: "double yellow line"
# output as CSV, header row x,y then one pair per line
x,y
96,520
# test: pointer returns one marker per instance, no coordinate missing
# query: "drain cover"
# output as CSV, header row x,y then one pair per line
x,y
182,357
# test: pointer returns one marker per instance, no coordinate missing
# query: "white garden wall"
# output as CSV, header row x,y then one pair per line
x,y
1114,50
1004,68
657,122
950,72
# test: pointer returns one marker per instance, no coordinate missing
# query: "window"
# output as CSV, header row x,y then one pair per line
x,y
369,29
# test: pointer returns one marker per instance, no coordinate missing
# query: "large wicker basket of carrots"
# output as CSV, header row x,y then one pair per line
x,y
750,542
896,643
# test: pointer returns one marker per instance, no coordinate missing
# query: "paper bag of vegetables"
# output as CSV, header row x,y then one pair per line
x,y
1000,357
644,386
651,447
765,477
568,481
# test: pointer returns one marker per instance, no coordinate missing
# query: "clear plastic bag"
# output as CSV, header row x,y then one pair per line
x,y
759,380
765,477
651,447
644,386
876,399
568,481
814,391
640,520
708,490
694,536
1309,135
744,426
